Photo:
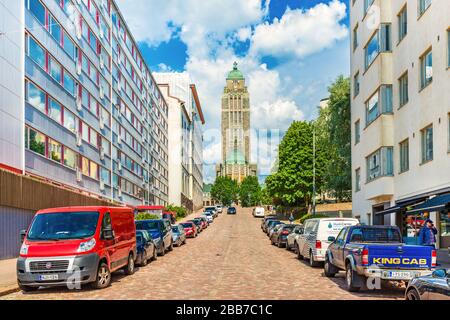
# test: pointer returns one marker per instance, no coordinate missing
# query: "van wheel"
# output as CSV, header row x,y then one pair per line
x,y
312,263
103,278
329,269
27,288
144,260
349,279
129,268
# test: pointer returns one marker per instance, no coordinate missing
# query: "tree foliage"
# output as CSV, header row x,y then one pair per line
x,y
180,211
225,190
250,192
146,216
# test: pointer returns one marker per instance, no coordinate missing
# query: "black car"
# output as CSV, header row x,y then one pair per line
x,y
231,210
145,248
435,286
279,238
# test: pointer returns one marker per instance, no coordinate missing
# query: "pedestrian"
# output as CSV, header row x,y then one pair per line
x,y
427,235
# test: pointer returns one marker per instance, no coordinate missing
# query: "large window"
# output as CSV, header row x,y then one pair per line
x,y
55,29
404,156
36,142
69,46
402,23
36,52
380,164
427,144
357,132
35,97
70,158
37,9
358,180
54,150
55,69
380,42
54,110
379,103
423,5
70,121
403,89
426,69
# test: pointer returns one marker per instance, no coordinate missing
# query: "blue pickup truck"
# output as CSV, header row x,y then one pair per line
x,y
376,252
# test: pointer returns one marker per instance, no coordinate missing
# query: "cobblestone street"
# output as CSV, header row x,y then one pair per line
x,y
232,259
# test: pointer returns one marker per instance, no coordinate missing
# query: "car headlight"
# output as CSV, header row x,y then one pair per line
x,y
87,246
24,249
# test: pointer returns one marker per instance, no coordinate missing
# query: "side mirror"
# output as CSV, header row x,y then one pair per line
x,y
108,234
331,239
23,234
441,273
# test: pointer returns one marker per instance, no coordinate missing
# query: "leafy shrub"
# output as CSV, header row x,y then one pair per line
x,y
146,216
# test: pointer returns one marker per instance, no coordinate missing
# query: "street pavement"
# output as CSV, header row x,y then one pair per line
x,y
232,259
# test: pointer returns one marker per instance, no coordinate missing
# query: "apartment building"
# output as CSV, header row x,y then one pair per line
x,y
80,107
400,69
185,123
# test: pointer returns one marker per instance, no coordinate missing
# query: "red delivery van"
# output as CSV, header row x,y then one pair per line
x,y
76,245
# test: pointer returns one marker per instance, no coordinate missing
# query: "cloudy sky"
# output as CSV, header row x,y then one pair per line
x,y
289,51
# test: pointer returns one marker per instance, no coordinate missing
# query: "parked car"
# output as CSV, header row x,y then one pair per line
x,y
258,212
198,223
314,241
271,224
95,241
161,232
205,223
212,210
431,287
279,237
376,251
275,228
265,220
219,209
231,210
145,248
292,238
178,235
190,229
209,217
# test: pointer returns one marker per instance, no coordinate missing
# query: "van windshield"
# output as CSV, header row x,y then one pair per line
x,y
63,226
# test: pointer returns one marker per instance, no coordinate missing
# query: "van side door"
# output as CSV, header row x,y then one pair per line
x,y
110,246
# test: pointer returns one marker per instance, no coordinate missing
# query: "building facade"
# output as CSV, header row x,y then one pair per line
x,y
236,129
186,154
400,70
81,107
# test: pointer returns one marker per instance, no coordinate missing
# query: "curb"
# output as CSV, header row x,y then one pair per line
x,y
8,290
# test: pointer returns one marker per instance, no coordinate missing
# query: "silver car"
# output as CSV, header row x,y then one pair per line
x,y
292,238
178,235
435,286
275,229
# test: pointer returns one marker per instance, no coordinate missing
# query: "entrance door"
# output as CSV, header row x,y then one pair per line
x,y
444,229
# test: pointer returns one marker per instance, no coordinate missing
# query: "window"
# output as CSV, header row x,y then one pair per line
x,y
403,89
404,156
380,164
358,180
93,170
449,132
427,144
35,97
379,103
367,4
36,52
402,23
54,110
380,42
37,9
37,142
85,166
70,121
69,83
55,150
54,29
426,69
55,69
356,84
85,131
69,46
423,5
355,37
70,158
357,132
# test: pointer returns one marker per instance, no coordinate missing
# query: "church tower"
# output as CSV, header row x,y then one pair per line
x,y
236,129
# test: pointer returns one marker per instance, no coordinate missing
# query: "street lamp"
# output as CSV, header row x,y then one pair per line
x,y
314,169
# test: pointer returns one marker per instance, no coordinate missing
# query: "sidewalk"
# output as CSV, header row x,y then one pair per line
x,y
8,280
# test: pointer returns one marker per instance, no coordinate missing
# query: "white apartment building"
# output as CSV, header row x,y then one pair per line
x,y
185,139
400,70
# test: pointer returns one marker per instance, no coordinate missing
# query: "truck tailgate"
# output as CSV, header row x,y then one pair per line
x,y
400,256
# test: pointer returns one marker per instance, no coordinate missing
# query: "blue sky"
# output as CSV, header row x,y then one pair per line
x,y
289,51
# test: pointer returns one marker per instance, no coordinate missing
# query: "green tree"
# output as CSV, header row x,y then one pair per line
x,y
146,216
180,211
225,190
293,183
250,192
338,173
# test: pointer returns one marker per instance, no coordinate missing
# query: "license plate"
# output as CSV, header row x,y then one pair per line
x,y
401,275
48,277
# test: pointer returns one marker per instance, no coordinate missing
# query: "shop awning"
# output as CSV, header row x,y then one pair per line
x,y
389,210
435,204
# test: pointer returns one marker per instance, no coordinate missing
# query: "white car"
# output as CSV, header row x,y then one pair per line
x,y
312,245
208,216
292,238
219,209
259,212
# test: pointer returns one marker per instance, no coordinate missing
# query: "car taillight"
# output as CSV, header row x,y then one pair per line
x,y
285,232
318,244
433,258
365,257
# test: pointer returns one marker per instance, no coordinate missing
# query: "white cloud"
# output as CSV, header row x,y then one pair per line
x,y
244,34
301,32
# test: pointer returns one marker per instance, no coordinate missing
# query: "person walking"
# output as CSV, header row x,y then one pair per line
x,y
427,235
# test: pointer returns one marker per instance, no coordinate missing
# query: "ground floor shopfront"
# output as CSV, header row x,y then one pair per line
x,y
410,216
